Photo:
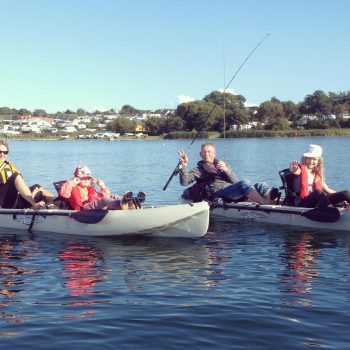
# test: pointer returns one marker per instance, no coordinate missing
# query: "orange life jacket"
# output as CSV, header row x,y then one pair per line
x,y
76,201
304,187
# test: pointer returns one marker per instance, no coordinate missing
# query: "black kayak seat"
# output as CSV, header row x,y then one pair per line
x,y
287,178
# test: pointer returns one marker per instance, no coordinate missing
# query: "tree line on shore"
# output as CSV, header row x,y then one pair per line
x,y
219,111
323,111
317,111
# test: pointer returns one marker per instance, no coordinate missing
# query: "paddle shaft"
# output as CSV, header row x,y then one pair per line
x,y
327,214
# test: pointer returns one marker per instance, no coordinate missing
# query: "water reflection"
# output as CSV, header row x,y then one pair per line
x,y
126,270
302,252
11,278
153,265
82,271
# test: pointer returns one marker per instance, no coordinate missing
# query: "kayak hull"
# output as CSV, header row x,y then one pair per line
x,y
280,215
183,220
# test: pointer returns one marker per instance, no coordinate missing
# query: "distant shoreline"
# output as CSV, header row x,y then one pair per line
x,y
202,135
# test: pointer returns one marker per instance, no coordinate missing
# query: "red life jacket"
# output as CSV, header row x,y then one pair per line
x,y
75,200
304,187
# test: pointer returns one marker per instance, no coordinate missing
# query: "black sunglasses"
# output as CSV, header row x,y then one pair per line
x,y
4,152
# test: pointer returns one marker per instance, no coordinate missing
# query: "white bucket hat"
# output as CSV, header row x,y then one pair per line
x,y
315,151
82,171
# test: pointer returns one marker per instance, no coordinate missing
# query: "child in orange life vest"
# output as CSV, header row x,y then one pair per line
x,y
81,193
310,184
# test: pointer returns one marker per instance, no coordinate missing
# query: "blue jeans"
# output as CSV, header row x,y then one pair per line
x,y
241,189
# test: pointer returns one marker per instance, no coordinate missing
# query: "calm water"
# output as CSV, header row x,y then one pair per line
x,y
242,286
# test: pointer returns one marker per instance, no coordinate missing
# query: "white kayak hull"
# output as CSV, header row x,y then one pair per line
x,y
184,220
281,215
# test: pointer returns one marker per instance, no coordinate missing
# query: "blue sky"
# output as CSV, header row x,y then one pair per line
x,y
70,54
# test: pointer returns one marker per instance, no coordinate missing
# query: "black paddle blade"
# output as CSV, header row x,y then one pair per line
x,y
89,216
327,214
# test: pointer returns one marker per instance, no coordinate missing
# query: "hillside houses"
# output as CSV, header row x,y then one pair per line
x,y
64,124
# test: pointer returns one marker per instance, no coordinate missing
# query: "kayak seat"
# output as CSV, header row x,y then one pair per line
x,y
287,179
196,193
61,202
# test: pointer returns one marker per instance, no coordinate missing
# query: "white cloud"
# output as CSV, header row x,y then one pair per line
x,y
184,99
248,104
228,91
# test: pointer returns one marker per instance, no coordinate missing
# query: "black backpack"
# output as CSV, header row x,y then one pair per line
x,y
196,193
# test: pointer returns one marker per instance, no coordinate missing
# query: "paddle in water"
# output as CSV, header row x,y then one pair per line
x,y
324,214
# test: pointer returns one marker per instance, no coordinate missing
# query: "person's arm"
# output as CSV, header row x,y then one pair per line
x,y
226,171
26,193
327,189
104,190
186,177
67,187
47,194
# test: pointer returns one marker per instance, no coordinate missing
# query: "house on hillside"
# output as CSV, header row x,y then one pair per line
x,y
28,117
41,123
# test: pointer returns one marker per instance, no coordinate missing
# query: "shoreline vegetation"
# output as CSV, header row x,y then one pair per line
x,y
202,135
319,114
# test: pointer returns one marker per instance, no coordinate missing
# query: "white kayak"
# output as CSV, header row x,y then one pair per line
x,y
181,220
318,218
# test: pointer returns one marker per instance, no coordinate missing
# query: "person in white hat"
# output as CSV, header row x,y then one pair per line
x,y
310,183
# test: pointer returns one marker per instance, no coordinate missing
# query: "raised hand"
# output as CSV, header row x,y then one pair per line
x,y
221,166
294,166
183,159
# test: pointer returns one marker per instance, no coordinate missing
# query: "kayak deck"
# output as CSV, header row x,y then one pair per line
x,y
181,220
322,218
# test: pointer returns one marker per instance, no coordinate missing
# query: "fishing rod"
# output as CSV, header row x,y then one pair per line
x,y
176,170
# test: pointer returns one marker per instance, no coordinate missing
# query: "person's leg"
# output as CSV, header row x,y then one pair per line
x,y
231,192
255,196
272,194
114,205
104,203
262,188
9,193
241,189
315,199
24,190
339,197
97,204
